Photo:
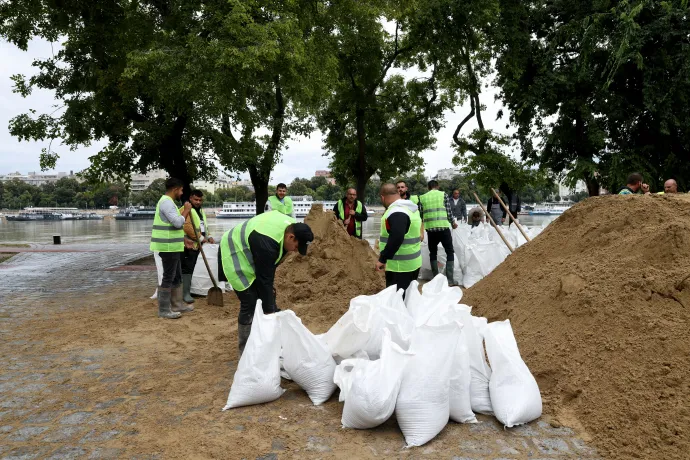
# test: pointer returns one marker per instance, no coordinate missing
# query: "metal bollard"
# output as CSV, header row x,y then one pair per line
x,y
56,239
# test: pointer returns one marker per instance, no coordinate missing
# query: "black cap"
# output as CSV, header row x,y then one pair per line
x,y
304,236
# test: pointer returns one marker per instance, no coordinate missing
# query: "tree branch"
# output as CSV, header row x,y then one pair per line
x,y
389,63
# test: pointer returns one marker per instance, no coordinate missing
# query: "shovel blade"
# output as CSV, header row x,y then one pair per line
x,y
215,297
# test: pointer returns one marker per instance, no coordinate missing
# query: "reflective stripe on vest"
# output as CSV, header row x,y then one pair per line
x,y
435,212
238,263
358,210
285,207
409,255
164,236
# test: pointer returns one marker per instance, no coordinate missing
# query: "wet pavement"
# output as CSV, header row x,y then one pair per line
x,y
93,402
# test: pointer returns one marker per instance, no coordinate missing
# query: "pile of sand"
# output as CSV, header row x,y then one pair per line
x,y
600,304
338,267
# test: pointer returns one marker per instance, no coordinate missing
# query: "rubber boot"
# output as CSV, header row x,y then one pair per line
x,y
243,331
434,267
176,301
187,289
449,274
164,309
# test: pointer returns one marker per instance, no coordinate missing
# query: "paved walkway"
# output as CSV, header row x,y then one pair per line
x,y
58,401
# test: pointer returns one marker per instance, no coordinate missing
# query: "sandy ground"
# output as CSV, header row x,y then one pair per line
x,y
97,374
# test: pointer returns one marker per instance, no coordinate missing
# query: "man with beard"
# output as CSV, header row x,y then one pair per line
x,y
194,225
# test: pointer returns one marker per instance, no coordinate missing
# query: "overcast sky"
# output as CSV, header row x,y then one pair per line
x,y
301,158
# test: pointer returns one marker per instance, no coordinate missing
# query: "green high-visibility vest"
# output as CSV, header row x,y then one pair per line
x,y
238,263
285,207
435,212
358,210
409,255
414,199
164,236
196,223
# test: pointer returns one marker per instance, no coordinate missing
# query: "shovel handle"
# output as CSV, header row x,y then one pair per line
x,y
505,208
210,273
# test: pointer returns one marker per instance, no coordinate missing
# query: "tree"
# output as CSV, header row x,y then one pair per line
x,y
598,90
375,122
171,85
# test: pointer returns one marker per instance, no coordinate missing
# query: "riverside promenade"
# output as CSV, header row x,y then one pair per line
x,y
87,370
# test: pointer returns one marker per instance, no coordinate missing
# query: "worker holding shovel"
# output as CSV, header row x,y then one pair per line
x,y
196,232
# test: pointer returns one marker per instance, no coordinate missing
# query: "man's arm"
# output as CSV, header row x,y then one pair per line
x,y
265,252
189,232
449,210
169,212
397,224
335,210
463,209
362,216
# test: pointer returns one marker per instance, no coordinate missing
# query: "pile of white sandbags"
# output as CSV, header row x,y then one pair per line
x,y
478,251
201,281
422,358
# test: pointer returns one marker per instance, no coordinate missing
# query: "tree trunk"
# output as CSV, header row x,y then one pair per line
x,y
361,176
172,157
592,185
260,183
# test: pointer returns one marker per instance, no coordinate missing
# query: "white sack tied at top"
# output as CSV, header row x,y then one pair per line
x,y
515,395
306,359
423,405
257,379
370,388
361,328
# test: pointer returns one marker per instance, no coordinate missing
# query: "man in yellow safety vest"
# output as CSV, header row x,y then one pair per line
x,y
434,207
400,244
280,202
351,212
248,257
195,232
167,239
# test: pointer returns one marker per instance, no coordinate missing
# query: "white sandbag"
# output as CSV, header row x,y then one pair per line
x,y
306,359
515,395
360,329
425,272
480,372
201,282
370,388
482,258
460,241
460,382
257,379
435,294
423,405
159,271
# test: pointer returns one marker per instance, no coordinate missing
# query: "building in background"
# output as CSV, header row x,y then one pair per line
x,y
566,191
325,173
141,182
32,178
447,173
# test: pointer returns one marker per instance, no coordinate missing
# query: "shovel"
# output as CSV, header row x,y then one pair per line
x,y
214,295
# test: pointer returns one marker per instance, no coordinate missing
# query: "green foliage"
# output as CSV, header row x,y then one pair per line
x,y
598,89
376,121
65,192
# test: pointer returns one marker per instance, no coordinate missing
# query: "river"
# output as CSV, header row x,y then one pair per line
x,y
110,230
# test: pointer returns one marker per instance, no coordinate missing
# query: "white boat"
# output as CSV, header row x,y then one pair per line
x,y
301,205
549,209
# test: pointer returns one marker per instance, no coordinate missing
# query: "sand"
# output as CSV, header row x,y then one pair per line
x,y
600,304
337,267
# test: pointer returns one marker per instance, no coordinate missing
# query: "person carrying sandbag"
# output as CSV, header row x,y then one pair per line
x,y
400,243
248,257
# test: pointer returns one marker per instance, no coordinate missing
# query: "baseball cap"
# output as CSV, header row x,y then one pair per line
x,y
304,236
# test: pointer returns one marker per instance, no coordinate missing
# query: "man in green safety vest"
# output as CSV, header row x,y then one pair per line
x,y
351,212
167,239
248,257
435,209
400,243
195,232
401,185
280,202
635,185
